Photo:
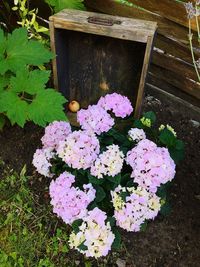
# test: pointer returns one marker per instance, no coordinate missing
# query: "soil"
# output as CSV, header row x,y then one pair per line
x,y
172,241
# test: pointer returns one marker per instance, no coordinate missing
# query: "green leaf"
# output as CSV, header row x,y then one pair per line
x,y
4,81
117,241
2,44
111,220
167,138
94,180
47,107
116,179
62,4
100,193
76,224
21,52
125,178
138,124
176,154
14,107
150,115
143,226
165,209
30,82
82,246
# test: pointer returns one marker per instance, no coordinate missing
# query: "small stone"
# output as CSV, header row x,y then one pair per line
x,y
196,124
121,263
77,263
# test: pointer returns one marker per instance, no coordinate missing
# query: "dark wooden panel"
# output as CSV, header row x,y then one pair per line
x,y
170,9
166,27
172,78
90,66
180,68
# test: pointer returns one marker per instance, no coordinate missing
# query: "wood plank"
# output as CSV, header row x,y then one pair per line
x,y
106,25
180,68
166,27
170,9
170,77
175,48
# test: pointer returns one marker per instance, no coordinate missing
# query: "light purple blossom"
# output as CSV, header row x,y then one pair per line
x,y
95,234
69,202
41,161
138,206
110,162
80,149
118,104
152,165
95,119
136,134
54,133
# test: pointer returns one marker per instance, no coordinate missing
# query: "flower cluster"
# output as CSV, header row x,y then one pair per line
x,y
110,162
70,203
54,133
80,149
136,134
95,119
168,127
138,206
92,170
152,165
94,235
41,161
118,104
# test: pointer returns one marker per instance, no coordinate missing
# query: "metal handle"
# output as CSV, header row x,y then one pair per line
x,y
103,21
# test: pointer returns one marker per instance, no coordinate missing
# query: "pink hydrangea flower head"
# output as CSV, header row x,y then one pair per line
x,y
110,162
136,134
152,166
118,104
95,234
80,149
95,119
54,133
139,205
41,161
70,203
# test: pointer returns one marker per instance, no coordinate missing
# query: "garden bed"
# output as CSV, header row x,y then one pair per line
x,y
168,241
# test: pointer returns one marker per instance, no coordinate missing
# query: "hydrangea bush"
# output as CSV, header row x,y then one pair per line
x,y
104,177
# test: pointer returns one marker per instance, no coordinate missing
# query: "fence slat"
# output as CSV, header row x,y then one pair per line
x,y
170,9
172,78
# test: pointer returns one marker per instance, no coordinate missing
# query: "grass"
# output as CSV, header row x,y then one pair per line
x,y
29,233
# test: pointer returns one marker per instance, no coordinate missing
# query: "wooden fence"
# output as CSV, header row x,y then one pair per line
x,y
171,65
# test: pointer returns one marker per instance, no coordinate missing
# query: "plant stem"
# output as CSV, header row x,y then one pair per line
x,y
197,23
192,52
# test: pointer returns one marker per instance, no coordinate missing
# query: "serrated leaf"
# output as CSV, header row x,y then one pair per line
x,y
2,44
176,154
21,52
94,180
76,224
100,193
143,226
167,138
30,82
117,241
82,246
4,81
47,107
62,4
111,220
150,115
14,107
116,179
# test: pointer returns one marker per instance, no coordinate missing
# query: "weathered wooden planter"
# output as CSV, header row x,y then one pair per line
x,y
98,54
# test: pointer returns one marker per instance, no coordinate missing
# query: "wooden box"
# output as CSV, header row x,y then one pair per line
x,y
98,54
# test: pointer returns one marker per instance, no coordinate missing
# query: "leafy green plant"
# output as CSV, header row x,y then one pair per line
x,y
23,96
58,5
28,20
